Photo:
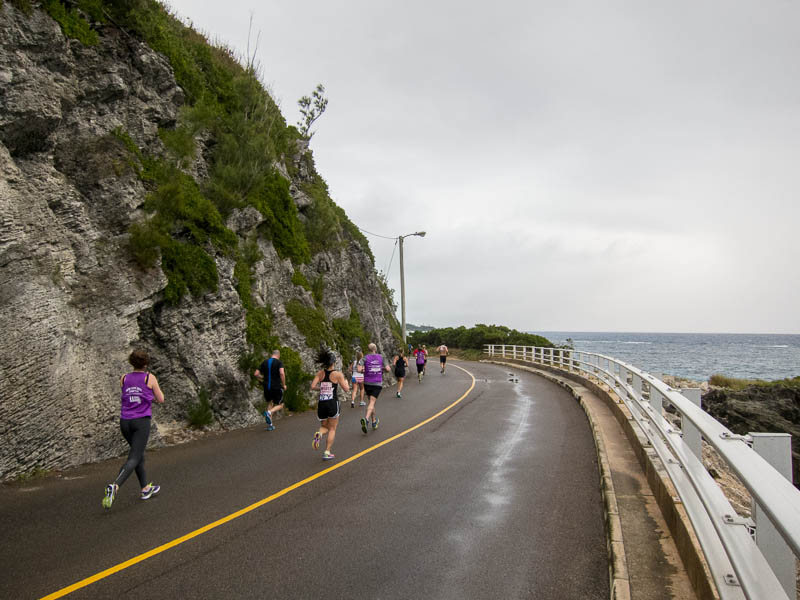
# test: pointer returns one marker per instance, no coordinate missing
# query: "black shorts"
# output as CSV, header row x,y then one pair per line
x,y
274,395
373,390
399,373
442,359
327,409
420,367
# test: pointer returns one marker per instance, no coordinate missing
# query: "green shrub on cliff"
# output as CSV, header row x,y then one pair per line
x,y
350,332
70,16
200,414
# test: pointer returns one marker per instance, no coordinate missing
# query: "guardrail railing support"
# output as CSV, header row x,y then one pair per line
x,y
776,449
691,435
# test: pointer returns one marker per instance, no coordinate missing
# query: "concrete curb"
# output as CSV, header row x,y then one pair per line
x,y
619,584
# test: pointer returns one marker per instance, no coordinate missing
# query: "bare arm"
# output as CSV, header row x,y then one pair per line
x,y
152,383
283,378
342,381
317,378
258,375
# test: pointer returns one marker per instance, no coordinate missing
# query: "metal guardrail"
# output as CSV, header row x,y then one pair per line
x,y
740,566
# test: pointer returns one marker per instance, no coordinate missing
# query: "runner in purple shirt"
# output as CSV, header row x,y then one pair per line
x,y
139,389
374,366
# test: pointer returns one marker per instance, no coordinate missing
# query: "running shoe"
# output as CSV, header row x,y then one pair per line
x,y
111,493
364,425
268,417
442,371
317,438
362,403
327,456
271,428
398,395
150,490
375,423
352,405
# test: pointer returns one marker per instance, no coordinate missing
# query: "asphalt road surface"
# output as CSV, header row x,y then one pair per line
x,y
497,497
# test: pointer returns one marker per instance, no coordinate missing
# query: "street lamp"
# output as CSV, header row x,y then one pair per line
x,y
403,281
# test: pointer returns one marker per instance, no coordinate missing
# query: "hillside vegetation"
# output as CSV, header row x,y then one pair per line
x,y
226,102
475,337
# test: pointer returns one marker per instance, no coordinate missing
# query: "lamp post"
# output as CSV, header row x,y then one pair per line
x,y
403,281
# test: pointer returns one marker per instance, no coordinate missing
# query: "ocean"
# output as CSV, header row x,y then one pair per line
x,y
694,356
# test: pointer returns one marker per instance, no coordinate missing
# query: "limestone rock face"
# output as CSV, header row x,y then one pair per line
x,y
73,304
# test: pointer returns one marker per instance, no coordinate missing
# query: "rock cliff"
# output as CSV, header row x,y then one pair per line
x,y
75,301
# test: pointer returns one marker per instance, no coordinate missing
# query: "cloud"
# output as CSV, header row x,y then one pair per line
x,y
578,166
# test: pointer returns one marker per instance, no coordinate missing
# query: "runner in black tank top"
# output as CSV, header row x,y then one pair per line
x,y
328,381
400,366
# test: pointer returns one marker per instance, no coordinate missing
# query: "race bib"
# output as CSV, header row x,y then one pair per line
x,y
325,391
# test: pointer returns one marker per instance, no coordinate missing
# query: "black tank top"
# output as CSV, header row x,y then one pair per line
x,y
327,389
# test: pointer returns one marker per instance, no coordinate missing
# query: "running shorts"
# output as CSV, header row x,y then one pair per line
x,y
373,391
442,359
420,368
275,396
399,372
327,409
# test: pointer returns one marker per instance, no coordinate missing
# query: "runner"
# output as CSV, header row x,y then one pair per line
x,y
139,389
400,366
419,359
425,352
272,375
374,366
328,381
443,352
357,379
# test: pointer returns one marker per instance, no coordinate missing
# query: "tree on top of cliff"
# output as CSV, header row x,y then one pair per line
x,y
311,109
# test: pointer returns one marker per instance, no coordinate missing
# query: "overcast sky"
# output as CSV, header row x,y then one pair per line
x,y
577,165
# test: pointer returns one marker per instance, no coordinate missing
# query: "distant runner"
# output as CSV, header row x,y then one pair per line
x,y
419,360
273,376
357,379
374,366
425,352
328,381
139,389
400,367
443,352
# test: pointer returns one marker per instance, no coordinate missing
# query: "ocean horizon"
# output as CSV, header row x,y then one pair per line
x,y
695,356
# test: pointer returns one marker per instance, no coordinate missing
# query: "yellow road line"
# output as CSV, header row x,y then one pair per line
x,y
185,538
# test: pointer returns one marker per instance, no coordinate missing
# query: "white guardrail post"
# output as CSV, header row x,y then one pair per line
x,y
691,434
776,449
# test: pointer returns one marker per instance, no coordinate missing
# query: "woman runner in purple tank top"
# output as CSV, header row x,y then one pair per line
x,y
139,389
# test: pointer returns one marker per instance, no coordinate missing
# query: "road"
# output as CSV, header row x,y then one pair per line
x,y
497,497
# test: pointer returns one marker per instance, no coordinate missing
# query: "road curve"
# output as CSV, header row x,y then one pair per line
x,y
495,498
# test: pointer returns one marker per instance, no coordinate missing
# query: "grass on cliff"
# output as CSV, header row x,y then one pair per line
x,y
200,414
734,383
341,335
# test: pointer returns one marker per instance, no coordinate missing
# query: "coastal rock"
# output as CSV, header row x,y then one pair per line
x,y
761,409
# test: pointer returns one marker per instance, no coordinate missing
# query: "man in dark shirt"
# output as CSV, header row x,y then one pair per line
x,y
271,373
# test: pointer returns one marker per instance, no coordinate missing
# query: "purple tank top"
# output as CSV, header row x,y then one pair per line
x,y
373,369
137,398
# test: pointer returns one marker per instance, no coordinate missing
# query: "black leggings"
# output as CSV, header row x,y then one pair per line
x,y
136,432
